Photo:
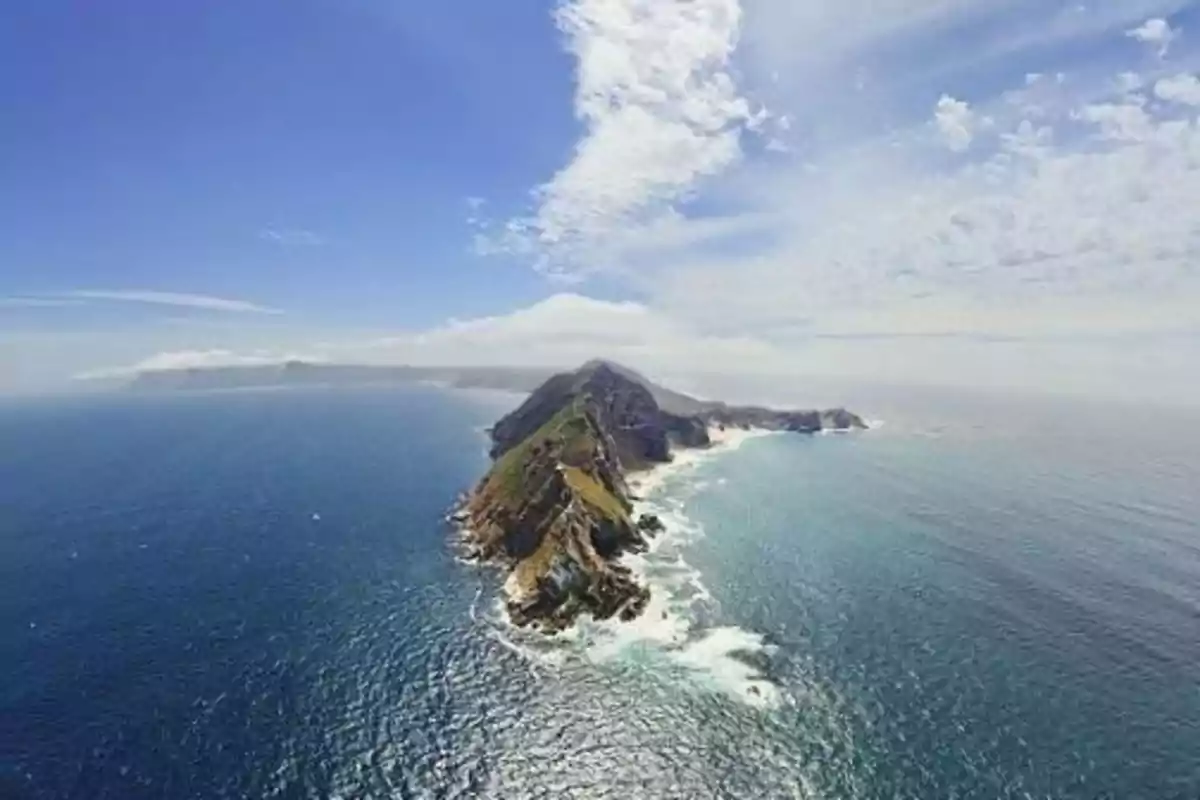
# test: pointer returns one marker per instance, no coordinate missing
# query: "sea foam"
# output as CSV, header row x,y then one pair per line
x,y
674,631
674,625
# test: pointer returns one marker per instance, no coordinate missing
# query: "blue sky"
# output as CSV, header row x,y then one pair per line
x,y
930,190
152,146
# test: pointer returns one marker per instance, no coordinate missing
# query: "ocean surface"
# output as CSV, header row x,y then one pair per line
x,y
251,595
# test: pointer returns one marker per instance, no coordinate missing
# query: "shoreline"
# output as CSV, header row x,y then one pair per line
x,y
667,624
646,482
640,484
721,441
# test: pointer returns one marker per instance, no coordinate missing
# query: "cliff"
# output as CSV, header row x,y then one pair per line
x,y
555,511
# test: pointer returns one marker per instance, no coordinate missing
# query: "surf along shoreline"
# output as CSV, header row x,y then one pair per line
x,y
669,636
567,508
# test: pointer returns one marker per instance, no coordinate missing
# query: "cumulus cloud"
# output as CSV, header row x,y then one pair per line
x,y
1077,224
661,109
1126,120
565,329
1183,88
1156,32
955,122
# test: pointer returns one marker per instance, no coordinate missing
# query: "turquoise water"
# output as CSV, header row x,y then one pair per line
x,y
987,612
251,595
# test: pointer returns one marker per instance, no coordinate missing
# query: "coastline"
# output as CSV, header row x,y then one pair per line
x,y
721,441
640,484
668,624
563,510
671,630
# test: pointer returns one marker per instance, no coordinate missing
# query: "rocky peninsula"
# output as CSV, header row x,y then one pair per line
x,y
555,510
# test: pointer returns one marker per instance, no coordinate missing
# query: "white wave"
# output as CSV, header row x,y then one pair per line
x,y
526,655
533,648
683,461
714,656
474,603
671,625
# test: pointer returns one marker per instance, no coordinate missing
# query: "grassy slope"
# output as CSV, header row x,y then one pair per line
x,y
570,433
595,495
505,482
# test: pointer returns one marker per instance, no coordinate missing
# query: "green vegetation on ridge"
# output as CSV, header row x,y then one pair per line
x,y
506,481
595,494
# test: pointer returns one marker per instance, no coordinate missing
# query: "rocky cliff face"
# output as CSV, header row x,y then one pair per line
x,y
555,510
624,408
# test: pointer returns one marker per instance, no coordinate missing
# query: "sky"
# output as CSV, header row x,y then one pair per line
x,y
950,192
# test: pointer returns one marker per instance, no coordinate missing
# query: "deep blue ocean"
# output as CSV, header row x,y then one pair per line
x,y
252,595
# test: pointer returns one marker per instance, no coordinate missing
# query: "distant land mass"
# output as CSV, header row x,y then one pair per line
x,y
303,373
556,511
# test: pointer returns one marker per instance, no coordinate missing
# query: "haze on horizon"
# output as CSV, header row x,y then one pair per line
x,y
918,191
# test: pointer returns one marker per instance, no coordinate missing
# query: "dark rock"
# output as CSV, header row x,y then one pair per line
x,y
650,524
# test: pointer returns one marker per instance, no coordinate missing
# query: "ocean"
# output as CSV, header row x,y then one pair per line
x,y
253,595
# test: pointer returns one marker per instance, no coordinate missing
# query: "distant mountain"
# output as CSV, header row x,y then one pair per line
x,y
302,373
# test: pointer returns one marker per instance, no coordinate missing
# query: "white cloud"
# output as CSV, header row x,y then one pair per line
x,y
662,91
174,299
566,329
292,237
955,122
1156,32
661,109
1078,225
1121,121
1183,88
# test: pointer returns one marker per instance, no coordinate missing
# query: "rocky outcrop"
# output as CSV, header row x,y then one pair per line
x,y
555,509
838,419
641,433
650,524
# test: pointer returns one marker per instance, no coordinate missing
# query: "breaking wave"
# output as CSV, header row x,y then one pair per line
x,y
680,632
